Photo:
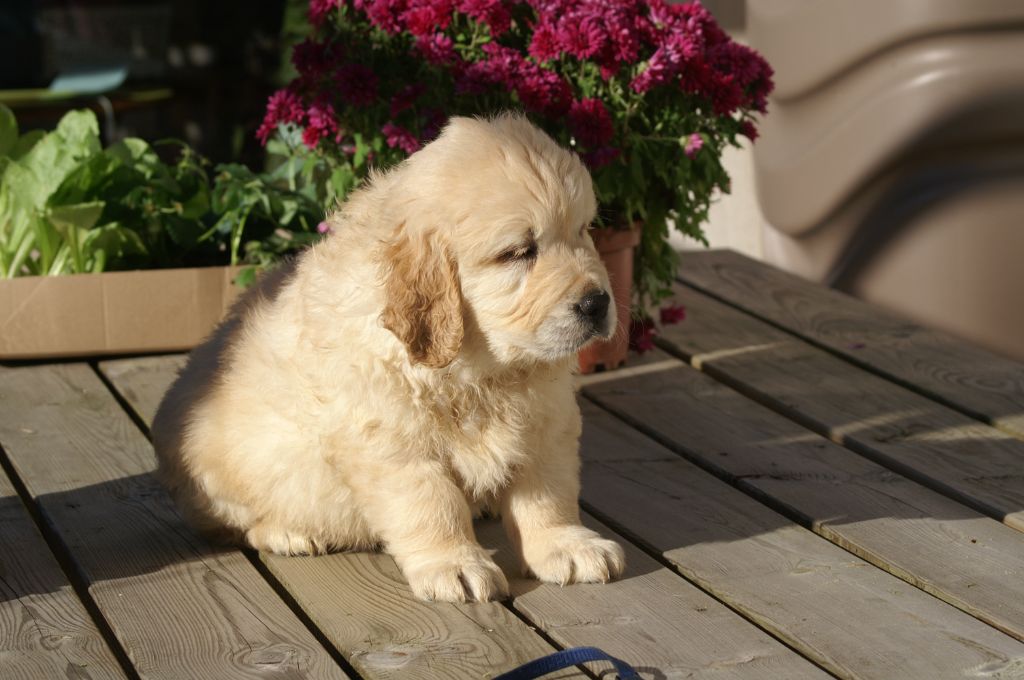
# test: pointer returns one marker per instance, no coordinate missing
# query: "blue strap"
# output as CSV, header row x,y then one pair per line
x,y
565,658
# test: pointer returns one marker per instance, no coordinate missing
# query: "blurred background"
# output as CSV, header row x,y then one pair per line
x,y
890,166
196,70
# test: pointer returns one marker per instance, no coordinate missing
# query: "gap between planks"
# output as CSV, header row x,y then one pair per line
x,y
541,604
980,384
949,626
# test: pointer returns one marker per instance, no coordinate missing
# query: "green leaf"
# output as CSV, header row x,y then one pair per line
x,y
342,181
362,151
79,133
85,181
78,216
73,222
25,143
196,205
245,277
289,208
183,232
111,241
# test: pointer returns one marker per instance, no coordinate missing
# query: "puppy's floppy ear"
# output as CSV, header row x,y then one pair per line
x,y
422,299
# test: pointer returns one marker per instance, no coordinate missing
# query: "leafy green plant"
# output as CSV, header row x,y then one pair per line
x,y
68,205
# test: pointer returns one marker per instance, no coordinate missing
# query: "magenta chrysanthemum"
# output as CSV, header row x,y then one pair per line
x,y
319,9
284,106
628,84
672,313
436,49
399,138
545,44
491,13
543,91
321,122
693,145
427,17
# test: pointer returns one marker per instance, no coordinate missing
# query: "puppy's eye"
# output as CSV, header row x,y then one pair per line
x,y
521,253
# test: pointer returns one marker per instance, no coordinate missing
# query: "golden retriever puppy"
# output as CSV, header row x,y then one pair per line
x,y
409,370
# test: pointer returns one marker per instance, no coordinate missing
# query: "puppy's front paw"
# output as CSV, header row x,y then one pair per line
x,y
464,575
576,554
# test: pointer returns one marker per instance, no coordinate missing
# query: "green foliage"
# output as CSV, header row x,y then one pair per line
x,y
68,205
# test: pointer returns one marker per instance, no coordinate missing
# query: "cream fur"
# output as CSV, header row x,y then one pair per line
x,y
407,372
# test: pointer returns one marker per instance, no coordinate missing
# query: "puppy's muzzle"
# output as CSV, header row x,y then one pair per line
x,y
593,309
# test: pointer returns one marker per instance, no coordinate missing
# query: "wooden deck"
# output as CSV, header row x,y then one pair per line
x,y
806,486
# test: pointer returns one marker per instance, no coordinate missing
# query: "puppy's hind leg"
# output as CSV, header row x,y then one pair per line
x,y
267,537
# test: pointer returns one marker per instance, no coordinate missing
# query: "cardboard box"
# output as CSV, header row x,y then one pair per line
x,y
159,310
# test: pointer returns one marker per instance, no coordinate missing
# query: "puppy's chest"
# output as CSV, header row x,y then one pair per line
x,y
488,442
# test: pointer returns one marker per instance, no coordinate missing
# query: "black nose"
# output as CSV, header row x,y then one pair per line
x,y
594,305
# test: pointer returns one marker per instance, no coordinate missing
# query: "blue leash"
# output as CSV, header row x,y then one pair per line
x,y
565,658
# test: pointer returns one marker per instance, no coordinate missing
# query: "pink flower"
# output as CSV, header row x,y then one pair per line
x,y
591,123
501,66
427,17
544,45
491,13
319,9
437,48
313,60
400,138
694,143
641,335
322,122
386,14
673,313
324,228
581,36
543,91
284,106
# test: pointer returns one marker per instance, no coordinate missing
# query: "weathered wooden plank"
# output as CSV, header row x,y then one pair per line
x,y
143,380
178,607
968,378
360,601
851,618
935,445
364,606
929,540
45,631
650,617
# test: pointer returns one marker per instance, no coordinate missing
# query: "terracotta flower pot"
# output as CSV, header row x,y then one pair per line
x,y
616,249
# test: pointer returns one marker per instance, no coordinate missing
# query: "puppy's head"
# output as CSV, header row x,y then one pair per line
x,y
491,237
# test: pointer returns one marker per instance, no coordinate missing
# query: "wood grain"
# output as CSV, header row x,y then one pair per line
x,y
968,378
851,618
924,538
45,631
937,446
651,617
364,606
177,606
360,601
143,380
